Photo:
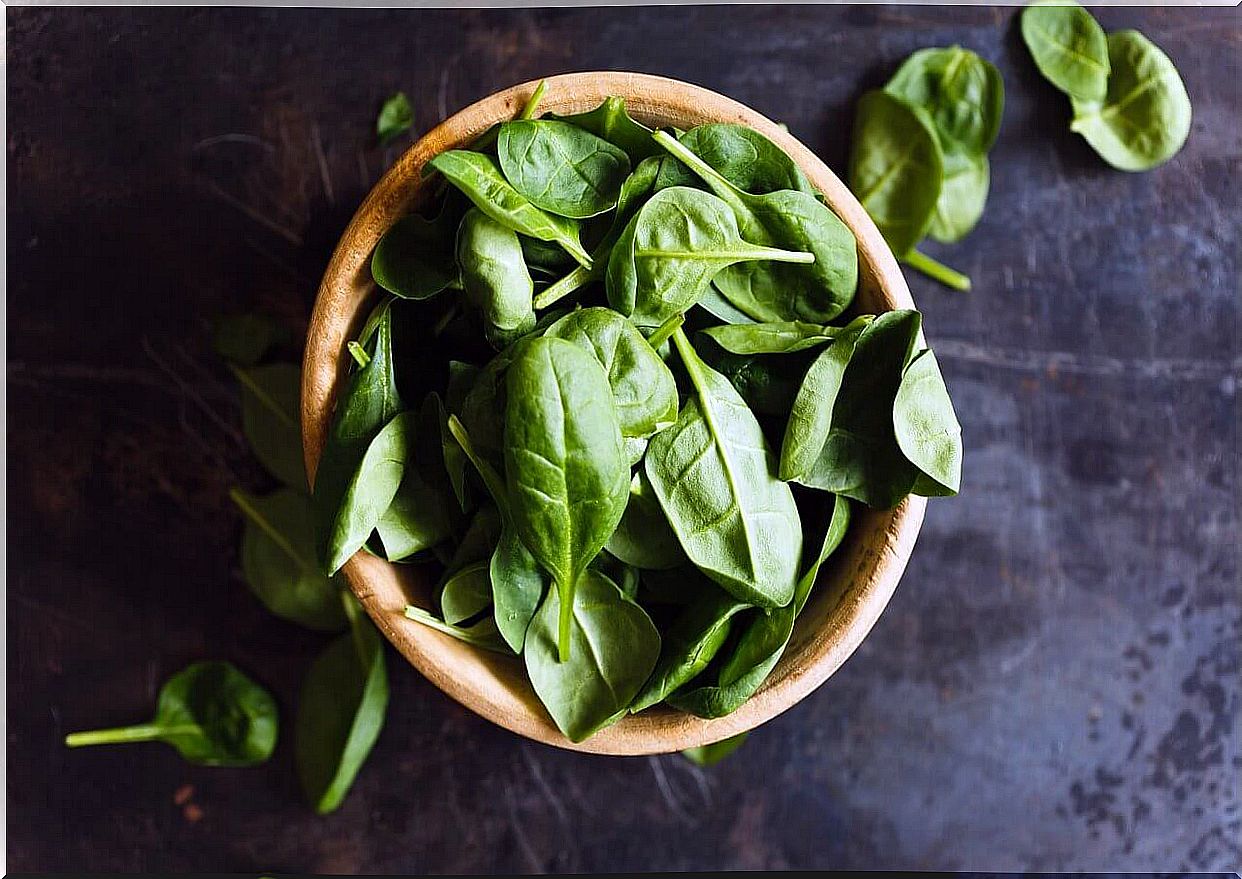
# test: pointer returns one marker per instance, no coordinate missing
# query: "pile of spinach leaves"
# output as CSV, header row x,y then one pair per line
x,y
615,381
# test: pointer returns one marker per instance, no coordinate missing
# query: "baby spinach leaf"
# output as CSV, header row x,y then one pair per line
x,y
962,197
926,426
466,593
210,712
1144,118
482,634
340,712
764,640
545,257
244,339
562,168
517,581
810,418
395,118
860,457
782,337
370,400
643,389
371,490
714,475
613,646
722,309
768,384
896,168
566,477
709,755
962,94
633,447
414,259
1069,48
691,643
278,560
668,254
797,221
480,179
643,537
479,541
271,400
495,278
745,158
416,519
611,121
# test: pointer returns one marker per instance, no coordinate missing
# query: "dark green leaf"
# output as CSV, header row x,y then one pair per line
x,y
244,339
495,278
395,118
414,259
709,755
271,400
643,537
562,168
613,123
926,426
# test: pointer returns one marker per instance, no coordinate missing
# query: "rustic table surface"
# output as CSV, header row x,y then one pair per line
x,y
1056,682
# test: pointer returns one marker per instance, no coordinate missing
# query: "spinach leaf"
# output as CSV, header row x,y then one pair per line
x,y
566,476
395,118
1069,48
562,168
244,339
613,646
278,560
414,259
722,309
672,249
545,257
479,541
480,179
482,634
369,401
417,518
340,712
896,168
788,219
611,121
517,581
962,197
210,712
643,537
745,158
714,475
763,642
495,278
461,378
860,457
961,93
633,447
810,418
768,384
783,337
926,426
643,389
466,593
271,400
692,642
1144,118
372,488
709,755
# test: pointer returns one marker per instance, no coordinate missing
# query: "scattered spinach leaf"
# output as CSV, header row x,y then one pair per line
x,y
271,405
396,117
709,755
1069,48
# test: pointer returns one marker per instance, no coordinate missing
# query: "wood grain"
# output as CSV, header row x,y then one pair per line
x,y
853,589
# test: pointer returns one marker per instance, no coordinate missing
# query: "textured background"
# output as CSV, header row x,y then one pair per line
x,y
1056,682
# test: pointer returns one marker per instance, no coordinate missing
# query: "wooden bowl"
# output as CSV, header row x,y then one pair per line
x,y
853,588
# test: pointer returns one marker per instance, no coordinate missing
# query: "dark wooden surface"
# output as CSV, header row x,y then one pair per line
x,y
1056,683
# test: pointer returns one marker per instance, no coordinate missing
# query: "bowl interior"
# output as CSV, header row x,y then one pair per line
x,y
852,589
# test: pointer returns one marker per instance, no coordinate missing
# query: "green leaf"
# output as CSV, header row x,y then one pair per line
x,y
669,253
495,278
1145,117
396,117
1069,48
745,158
414,259
613,648
244,339
782,337
611,121
340,713
962,94
709,755
467,593
271,400
643,538
714,475
926,426
567,480
278,560
478,176
210,712
562,168
482,634
962,198
643,389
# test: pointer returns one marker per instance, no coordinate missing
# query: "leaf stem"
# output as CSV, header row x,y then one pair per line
x,y
532,103
252,513
468,636
446,319
710,175
495,484
142,732
565,619
360,355
665,330
936,270
571,283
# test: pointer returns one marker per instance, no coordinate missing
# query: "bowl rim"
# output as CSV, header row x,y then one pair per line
x,y
488,687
